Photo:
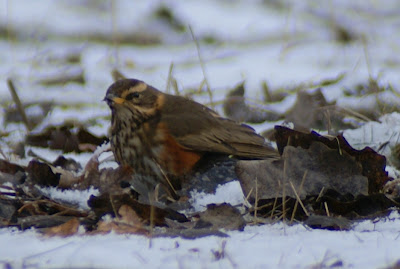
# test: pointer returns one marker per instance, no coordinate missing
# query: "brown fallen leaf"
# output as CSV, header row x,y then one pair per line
x,y
328,223
373,205
106,204
129,216
41,222
8,208
42,174
45,206
67,164
222,216
373,164
236,108
11,173
74,76
10,168
69,228
302,172
311,110
128,223
65,138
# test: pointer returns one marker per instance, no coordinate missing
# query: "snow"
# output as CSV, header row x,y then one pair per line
x,y
230,192
286,46
367,245
74,197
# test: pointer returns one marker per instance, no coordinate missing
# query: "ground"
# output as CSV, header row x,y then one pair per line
x,y
290,45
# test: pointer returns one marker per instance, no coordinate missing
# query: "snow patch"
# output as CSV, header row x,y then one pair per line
x,y
76,197
230,193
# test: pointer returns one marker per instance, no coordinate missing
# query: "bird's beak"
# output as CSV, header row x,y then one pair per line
x,y
112,99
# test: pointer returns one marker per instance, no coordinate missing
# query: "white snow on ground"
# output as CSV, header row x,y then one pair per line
x,y
230,192
74,197
368,245
374,134
260,41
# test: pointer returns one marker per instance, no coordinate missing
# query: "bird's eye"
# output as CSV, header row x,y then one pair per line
x,y
132,95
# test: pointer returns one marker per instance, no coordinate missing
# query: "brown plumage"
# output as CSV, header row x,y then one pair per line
x,y
165,135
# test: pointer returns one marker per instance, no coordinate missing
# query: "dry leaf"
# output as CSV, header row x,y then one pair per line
x,y
222,216
42,174
129,216
313,111
69,228
373,164
65,138
236,108
129,223
322,167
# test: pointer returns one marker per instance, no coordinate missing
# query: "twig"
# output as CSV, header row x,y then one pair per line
x,y
201,63
17,101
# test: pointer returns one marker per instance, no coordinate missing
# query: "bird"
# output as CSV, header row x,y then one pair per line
x,y
165,136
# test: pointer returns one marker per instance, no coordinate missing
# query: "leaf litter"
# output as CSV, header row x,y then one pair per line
x,y
332,208
319,180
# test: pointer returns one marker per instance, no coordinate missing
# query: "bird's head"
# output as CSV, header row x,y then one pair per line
x,y
133,98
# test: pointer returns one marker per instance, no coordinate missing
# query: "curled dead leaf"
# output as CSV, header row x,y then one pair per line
x,y
69,228
373,164
128,223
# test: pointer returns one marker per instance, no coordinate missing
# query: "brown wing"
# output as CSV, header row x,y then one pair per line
x,y
199,128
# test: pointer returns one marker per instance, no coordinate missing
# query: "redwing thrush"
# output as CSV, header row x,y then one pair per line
x,y
165,135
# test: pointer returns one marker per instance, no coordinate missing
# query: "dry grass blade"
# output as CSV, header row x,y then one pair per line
x,y
274,206
352,113
167,180
114,33
246,199
256,204
202,64
169,79
117,75
298,199
17,101
152,215
4,155
327,209
320,194
327,115
284,189
113,206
